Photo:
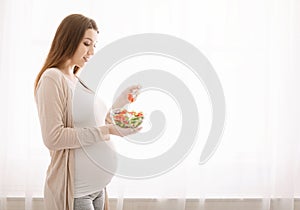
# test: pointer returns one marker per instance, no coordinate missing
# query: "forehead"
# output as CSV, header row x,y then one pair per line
x,y
90,34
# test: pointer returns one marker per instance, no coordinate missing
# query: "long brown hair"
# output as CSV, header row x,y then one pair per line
x,y
66,40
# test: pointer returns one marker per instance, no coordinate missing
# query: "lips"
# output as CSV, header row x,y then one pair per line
x,y
86,59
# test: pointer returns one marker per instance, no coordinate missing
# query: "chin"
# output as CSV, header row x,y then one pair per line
x,y
81,65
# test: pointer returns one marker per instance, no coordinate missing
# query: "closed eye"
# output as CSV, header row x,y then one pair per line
x,y
88,44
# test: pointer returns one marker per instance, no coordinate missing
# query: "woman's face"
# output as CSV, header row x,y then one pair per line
x,y
85,49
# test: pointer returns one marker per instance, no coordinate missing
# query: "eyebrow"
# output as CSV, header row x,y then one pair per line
x,y
89,39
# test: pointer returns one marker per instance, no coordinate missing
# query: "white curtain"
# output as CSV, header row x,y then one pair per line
x,y
254,48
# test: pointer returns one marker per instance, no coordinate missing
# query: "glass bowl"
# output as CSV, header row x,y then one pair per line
x,y
126,119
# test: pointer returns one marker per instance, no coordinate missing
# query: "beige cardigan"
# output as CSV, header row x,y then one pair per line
x,y
54,104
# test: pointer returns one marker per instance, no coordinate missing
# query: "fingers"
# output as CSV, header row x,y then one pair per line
x,y
133,130
127,131
138,129
134,87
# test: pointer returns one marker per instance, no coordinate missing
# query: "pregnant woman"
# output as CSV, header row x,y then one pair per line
x,y
74,180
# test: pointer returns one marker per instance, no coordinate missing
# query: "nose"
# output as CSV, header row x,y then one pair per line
x,y
91,50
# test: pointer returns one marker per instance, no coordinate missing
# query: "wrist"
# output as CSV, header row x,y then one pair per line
x,y
110,129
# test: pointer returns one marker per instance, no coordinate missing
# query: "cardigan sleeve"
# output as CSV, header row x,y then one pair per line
x,y
50,100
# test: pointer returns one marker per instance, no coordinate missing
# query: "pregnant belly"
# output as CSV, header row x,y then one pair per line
x,y
95,166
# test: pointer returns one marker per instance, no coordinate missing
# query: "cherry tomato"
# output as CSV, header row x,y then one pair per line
x,y
130,98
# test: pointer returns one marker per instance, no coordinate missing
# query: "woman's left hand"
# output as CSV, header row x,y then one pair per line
x,y
123,99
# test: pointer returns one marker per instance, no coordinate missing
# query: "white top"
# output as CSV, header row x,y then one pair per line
x,y
95,164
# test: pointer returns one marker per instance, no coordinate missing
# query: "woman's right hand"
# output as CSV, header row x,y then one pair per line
x,y
118,131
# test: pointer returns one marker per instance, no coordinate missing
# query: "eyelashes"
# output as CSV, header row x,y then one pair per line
x,y
89,44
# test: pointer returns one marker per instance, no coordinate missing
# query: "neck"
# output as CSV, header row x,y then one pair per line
x,y
67,68
67,71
